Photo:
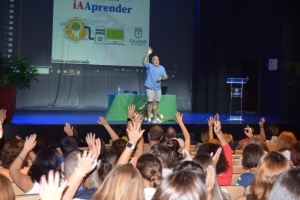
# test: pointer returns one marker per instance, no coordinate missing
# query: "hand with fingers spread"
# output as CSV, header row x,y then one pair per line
x,y
210,122
248,131
216,156
138,118
178,117
96,147
217,117
51,190
68,129
131,110
30,143
90,140
87,162
135,133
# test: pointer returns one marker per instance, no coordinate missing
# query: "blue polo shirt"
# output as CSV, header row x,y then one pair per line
x,y
152,74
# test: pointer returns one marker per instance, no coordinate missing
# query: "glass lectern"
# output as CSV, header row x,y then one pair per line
x,y
236,98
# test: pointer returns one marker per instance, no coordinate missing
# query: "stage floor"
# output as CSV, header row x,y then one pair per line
x,y
35,117
49,124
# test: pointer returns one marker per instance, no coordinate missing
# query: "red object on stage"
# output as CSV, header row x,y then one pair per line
x,y
8,96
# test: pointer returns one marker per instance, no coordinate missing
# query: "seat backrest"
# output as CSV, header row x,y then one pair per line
x,y
239,152
244,145
234,191
272,146
247,191
17,190
28,197
237,169
234,179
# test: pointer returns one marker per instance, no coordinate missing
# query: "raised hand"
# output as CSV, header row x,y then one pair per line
x,y
102,121
131,110
68,129
2,116
51,190
248,131
210,122
210,179
178,117
261,122
29,143
150,50
217,117
217,127
135,133
90,140
216,156
138,118
87,162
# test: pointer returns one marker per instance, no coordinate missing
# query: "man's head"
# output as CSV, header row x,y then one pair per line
x,y
170,134
155,60
70,164
68,144
155,133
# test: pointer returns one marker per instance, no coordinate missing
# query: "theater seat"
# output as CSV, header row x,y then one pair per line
x,y
234,191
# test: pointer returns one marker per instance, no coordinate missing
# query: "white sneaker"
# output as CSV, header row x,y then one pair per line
x,y
149,120
157,121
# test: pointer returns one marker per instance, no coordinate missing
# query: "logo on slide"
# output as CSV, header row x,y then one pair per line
x,y
138,32
74,29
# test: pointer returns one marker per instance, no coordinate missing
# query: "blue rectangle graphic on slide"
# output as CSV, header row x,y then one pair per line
x,y
100,32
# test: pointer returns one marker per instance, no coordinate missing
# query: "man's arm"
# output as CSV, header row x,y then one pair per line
x,y
147,55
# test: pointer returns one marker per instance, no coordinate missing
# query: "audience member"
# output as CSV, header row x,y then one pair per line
x,y
205,160
171,135
285,141
6,189
123,182
270,166
295,155
249,131
251,156
67,144
150,168
182,184
45,160
9,153
286,185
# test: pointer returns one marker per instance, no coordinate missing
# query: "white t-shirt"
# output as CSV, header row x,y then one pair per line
x,y
149,192
166,172
35,189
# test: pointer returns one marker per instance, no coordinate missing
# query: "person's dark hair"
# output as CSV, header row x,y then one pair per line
x,y
286,185
109,161
45,161
68,144
207,148
182,184
295,154
150,168
10,151
120,131
167,156
119,143
40,144
268,134
188,165
251,155
155,133
174,145
171,133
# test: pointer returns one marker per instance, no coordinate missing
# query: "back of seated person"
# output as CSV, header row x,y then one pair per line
x,y
10,151
71,161
67,144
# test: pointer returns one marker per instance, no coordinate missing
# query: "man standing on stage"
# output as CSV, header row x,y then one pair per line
x,y
155,73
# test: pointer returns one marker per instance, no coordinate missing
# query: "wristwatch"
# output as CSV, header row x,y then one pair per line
x,y
131,146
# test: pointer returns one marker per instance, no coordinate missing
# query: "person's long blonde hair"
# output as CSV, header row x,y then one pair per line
x,y
269,167
6,189
123,182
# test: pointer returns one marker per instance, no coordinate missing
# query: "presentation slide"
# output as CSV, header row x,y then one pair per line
x,y
100,32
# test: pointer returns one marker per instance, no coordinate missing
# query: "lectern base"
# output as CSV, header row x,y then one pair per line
x,y
235,118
